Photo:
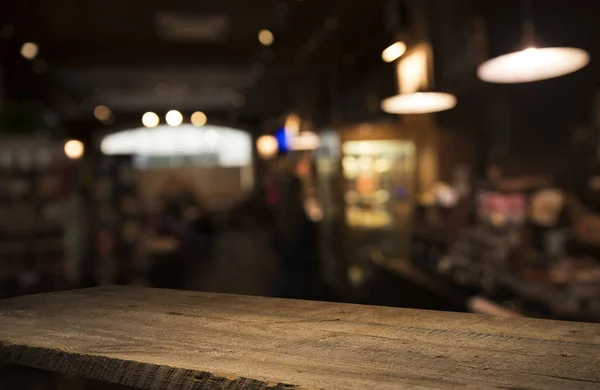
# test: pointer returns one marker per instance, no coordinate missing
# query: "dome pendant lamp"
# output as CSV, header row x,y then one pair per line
x,y
531,63
414,78
418,103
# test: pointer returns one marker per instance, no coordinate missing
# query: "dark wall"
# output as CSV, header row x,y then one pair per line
x,y
526,127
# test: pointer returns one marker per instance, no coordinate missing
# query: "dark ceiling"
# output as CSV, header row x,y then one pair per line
x,y
156,55
135,56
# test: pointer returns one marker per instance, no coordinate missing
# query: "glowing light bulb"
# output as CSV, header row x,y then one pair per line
x,y
74,149
198,118
29,50
267,146
265,37
174,118
394,51
102,113
292,124
150,119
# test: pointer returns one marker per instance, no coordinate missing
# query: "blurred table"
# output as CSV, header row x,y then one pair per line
x,y
535,286
156,339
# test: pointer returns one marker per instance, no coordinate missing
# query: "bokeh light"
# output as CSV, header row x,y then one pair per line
x,y
74,149
174,118
267,146
266,37
102,113
150,119
198,118
394,51
29,50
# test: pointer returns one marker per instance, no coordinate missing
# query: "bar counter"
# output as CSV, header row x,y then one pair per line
x,y
165,339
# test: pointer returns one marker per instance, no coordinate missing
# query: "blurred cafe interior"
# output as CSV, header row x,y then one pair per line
x,y
428,154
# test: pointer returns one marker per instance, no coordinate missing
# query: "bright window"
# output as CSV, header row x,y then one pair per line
x,y
182,145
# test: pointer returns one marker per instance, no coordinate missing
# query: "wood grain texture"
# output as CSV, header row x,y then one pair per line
x,y
157,339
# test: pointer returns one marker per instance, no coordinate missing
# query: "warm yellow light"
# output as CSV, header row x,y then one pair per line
x,y
306,140
74,149
413,70
365,163
150,119
267,146
394,51
350,165
383,165
102,113
29,50
266,37
174,118
418,103
533,64
198,118
292,124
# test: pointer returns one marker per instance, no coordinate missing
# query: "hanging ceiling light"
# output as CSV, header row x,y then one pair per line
x,y
532,64
418,103
413,78
393,52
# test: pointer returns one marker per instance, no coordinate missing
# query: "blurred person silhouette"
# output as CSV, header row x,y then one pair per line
x,y
272,188
183,211
297,238
185,219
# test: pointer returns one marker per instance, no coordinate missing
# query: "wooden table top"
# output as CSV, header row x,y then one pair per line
x,y
157,339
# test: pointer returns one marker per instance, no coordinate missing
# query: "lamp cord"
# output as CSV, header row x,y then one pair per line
x,y
528,27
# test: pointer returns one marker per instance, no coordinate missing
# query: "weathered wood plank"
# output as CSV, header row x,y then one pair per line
x,y
156,339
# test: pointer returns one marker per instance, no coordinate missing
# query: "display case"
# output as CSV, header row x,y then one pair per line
x,y
378,193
